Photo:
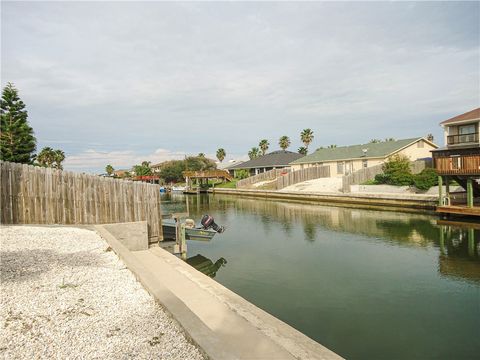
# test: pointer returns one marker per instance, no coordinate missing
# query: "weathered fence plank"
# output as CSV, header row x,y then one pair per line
x,y
34,195
295,177
265,176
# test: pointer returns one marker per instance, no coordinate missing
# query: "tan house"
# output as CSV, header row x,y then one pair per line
x,y
459,160
346,159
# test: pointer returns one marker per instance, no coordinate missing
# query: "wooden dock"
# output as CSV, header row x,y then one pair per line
x,y
459,210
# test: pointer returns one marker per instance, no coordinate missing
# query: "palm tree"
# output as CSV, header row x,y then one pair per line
x,y
46,157
109,169
331,146
221,154
59,156
263,145
302,150
253,153
307,137
284,142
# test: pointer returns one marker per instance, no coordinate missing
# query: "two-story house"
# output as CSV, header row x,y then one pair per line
x,y
459,160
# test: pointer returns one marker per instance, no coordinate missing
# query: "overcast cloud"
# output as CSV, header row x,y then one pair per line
x,y
122,82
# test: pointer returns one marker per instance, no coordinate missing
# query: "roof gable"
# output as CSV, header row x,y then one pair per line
x,y
374,150
273,159
470,115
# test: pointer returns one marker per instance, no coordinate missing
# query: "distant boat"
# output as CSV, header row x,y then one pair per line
x,y
178,188
198,234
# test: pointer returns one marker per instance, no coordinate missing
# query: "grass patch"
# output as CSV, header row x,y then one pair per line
x,y
370,182
227,185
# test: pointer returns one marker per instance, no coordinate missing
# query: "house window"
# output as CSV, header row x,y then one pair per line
x,y
467,133
466,129
340,167
420,144
456,164
364,163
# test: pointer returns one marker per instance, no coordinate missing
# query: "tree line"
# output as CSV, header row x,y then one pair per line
x,y
306,136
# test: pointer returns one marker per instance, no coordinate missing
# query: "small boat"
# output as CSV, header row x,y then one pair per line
x,y
178,188
198,234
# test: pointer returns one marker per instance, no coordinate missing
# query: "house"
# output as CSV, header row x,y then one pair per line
x,y
459,160
121,173
274,160
344,160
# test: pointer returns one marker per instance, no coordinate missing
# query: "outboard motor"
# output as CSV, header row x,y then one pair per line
x,y
208,222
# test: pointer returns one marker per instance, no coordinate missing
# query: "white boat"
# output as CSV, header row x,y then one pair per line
x,y
179,188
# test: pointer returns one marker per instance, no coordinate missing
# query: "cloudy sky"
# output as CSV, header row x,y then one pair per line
x,y
122,82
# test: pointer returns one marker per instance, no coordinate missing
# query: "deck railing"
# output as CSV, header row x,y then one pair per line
x,y
462,139
458,165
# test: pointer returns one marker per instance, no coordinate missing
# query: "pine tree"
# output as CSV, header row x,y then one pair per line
x,y
17,140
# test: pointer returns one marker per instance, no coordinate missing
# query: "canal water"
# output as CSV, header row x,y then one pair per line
x,y
367,284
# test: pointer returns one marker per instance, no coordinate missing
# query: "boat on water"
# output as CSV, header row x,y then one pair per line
x,y
203,232
179,188
199,234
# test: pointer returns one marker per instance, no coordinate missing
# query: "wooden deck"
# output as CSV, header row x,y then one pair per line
x,y
459,210
457,165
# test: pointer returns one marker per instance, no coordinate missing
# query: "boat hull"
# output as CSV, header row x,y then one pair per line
x,y
190,234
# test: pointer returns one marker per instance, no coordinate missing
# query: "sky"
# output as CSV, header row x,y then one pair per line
x,y
122,82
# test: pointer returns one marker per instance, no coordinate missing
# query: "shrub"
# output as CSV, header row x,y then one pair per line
x,y
397,171
242,174
381,179
426,179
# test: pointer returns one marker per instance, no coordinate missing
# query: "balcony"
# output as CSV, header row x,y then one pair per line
x,y
457,165
462,139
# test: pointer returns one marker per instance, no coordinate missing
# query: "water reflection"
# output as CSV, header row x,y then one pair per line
x,y
205,265
460,250
459,246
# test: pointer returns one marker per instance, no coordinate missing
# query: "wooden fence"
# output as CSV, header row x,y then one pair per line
x,y
294,177
36,195
360,176
265,176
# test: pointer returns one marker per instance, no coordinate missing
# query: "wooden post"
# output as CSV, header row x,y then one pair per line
x,y
442,240
471,242
440,191
183,242
470,192
447,189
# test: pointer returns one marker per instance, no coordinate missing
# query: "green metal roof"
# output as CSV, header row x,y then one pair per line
x,y
374,150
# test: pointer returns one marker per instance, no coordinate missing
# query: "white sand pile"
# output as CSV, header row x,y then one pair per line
x,y
65,295
323,185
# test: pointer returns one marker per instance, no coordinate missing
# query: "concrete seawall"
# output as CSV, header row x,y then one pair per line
x,y
222,323
365,200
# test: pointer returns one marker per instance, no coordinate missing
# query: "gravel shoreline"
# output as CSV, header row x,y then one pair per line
x,y
64,294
